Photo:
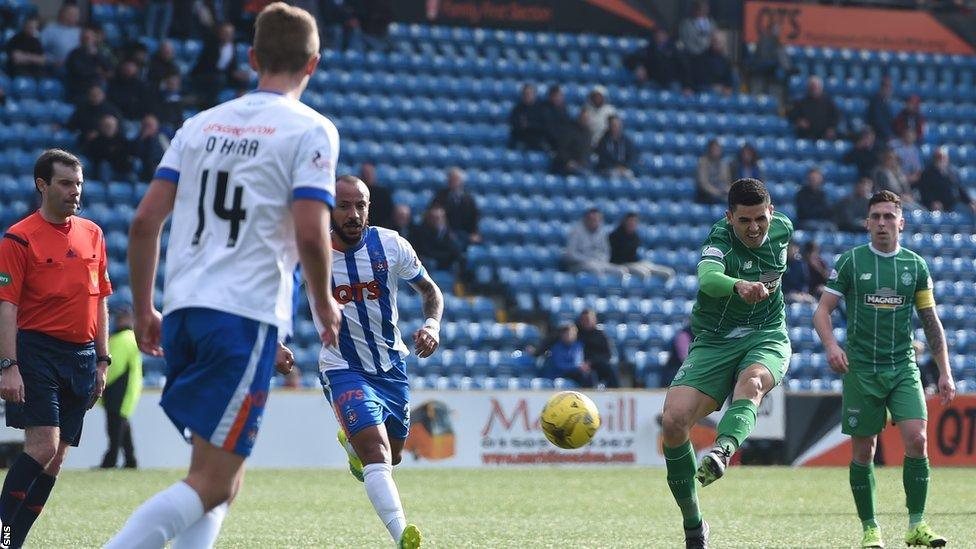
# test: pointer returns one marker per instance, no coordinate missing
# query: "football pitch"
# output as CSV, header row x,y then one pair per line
x,y
551,507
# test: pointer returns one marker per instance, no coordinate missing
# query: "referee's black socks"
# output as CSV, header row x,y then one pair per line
x,y
20,476
33,504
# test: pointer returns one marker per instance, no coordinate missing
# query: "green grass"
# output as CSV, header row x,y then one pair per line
x,y
557,507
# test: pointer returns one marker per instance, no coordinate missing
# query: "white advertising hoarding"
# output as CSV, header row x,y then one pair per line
x,y
449,429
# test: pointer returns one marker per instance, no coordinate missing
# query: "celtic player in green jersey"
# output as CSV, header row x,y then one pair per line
x,y
740,344
881,283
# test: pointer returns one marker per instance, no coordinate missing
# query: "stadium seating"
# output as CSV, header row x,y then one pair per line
x,y
441,97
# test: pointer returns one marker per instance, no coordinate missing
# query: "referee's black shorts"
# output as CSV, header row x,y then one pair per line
x,y
59,383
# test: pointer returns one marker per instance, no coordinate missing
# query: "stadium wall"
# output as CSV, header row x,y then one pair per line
x,y
449,429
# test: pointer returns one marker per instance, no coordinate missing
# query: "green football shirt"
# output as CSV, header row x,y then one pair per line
x,y
731,316
879,290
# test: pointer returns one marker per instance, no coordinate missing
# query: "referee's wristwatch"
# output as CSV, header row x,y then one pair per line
x,y
6,363
107,359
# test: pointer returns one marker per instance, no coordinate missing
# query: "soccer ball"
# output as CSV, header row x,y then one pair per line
x,y
569,419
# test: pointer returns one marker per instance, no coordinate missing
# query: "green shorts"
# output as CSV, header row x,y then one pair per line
x,y
714,364
868,396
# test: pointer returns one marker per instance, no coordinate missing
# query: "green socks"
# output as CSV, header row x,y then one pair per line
x,y
739,420
681,480
915,477
862,486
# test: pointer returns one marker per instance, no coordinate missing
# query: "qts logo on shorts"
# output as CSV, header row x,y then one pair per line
x,y
359,291
355,394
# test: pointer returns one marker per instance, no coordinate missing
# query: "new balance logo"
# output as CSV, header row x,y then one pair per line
x,y
866,276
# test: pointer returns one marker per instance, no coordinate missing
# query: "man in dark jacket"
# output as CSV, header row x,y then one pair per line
x,y
880,115
87,116
25,53
555,117
940,187
433,241
625,250
865,152
128,92
615,151
813,210
216,68
526,122
816,115
148,147
597,349
85,66
574,146
460,207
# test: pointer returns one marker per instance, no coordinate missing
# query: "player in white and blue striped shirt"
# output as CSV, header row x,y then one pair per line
x,y
364,377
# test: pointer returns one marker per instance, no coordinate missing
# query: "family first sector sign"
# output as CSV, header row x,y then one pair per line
x,y
448,429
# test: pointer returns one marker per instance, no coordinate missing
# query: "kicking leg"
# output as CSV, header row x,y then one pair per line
x,y
737,422
204,532
683,407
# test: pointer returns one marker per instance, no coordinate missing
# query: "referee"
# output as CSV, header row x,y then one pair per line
x,y
53,335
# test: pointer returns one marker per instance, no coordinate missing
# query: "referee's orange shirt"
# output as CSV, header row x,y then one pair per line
x,y
56,275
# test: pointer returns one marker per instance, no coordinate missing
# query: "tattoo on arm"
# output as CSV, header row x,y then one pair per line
x,y
433,300
933,330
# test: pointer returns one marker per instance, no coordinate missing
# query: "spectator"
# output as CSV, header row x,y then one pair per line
x,y
462,210
566,358
62,36
659,61
574,147
680,345
555,117
615,152
123,387
796,279
109,151
162,64
598,113
864,154
86,66
852,210
816,115
909,155
375,17
87,116
813,209
402,221
940,187
817,269
695,32
170,103
433,241
911,117
340,27
216,68
624,250
770,64
597,349
128,92
747,164
25,54
148,147
714,178
527,129
588,246
712,70
380,198
159,16
135,51
880,115
889,177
